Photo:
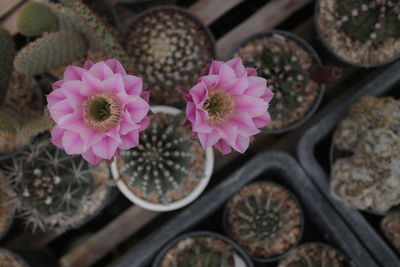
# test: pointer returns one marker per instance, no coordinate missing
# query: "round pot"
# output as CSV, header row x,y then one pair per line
x,y
160,53
338,57
326,246
241,258
333,155
317,62
208,169
277,257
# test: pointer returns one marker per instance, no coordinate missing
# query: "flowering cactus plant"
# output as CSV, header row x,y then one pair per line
x,y
228,106
98,110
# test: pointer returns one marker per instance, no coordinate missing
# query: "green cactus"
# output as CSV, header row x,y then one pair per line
x,y
315,255
50,185
170,49
7,54
163,160
264,219
204,251
34,19
287,68
369,21
52,50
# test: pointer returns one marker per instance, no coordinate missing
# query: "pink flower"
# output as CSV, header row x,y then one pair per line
x,y
228,106
98,110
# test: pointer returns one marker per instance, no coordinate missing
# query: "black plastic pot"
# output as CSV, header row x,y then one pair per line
x,y
318,136
322,222
323,245
277,257
308,48
238,249
338,57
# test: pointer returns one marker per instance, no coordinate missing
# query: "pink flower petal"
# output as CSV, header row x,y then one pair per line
x,y
198,93
73,73
105,148
72,91
133,84
129,140
92,85
115,66
56,136
114,83
215,67
88,64
257,86
57,84
223,147
60,109
54,97
251,71
91,157
137,108
236,86
72,143
262,120
237,65
101,70
209,80
254,106
245,124
225,74
208,140
242,143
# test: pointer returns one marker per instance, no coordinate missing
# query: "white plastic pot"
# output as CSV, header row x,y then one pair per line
x,y
209,166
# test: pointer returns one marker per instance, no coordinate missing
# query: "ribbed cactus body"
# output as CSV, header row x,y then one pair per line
x,y
264,219
369,21
200,255
52,50
162,161
34,19
51,185
7,54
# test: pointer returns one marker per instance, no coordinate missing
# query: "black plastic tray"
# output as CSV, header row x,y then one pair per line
x,y
317,138
322,223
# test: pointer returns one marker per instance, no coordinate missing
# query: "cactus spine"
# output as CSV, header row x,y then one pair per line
x,y
369,21
51,186
52,50
7,54
34,19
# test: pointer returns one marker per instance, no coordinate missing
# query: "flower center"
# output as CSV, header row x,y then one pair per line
x,y
102,111
219,105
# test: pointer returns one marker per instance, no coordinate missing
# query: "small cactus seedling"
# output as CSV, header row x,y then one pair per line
x,y
52,188
199,251
7,54
170,49
34,19
167,165
315,255
287,68
361,31
390,226
264,219
366,177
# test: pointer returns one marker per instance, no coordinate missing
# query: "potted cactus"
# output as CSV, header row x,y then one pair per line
x,y
315,255
390,226
169,169
287,62
20,102
366,156
55,190
170,48
265,219
206,249
363,33
69,32
7,205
